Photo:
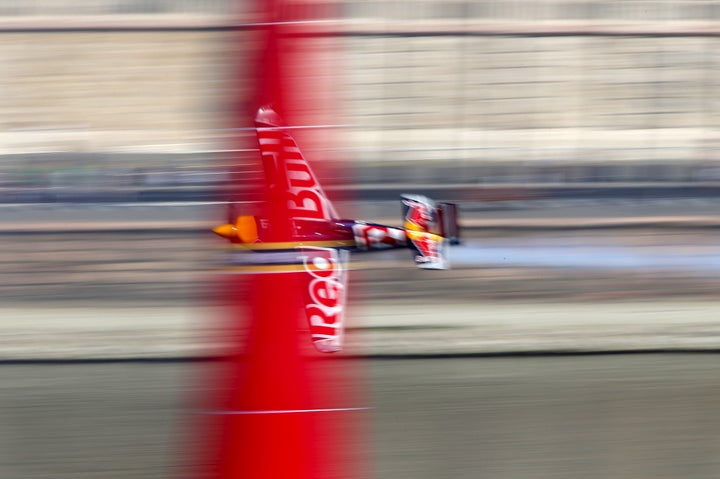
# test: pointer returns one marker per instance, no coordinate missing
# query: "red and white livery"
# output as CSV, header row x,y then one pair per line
x,y
313,240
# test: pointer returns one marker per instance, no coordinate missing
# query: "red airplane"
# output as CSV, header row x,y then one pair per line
x,y
316,240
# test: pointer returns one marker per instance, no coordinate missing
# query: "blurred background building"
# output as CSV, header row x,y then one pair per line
x,y
130,93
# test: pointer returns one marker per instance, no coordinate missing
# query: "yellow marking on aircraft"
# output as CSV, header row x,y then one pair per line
x,y
294,244
266,268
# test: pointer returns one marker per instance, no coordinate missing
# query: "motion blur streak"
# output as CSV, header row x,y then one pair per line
x,y
311,433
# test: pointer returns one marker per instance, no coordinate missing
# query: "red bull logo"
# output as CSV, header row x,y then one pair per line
x,y
302,190
419,216
326,295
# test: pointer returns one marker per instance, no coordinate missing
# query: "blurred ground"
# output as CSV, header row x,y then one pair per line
x,y
530,418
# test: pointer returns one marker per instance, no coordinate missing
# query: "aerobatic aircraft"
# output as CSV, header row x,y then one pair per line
x,y
315,240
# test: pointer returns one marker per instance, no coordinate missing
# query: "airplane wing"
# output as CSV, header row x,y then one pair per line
x,y
325,292
287,173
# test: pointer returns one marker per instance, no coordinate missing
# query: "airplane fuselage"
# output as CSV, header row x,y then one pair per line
x,y
351,235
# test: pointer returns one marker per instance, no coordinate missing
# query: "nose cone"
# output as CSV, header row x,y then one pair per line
x,y
227,231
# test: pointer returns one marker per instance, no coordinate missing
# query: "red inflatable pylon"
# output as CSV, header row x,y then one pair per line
x,y
275,408
281,409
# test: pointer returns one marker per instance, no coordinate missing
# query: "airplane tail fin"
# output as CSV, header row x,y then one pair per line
x,y
430,227
449,226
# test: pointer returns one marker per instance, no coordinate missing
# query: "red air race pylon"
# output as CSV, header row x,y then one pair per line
x,y
279,409
274,407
